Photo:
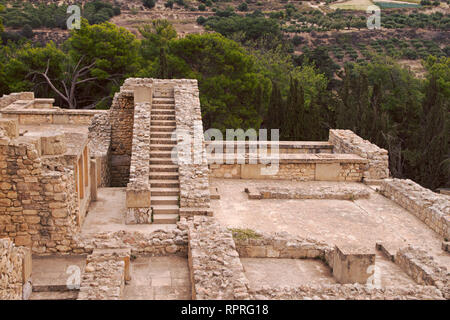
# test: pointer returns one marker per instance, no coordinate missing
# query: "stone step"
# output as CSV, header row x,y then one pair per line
x,y
165,209
163,128
164,175
159,117
161,154
162,147
54,287
164,183
171,218
163,168
165,161
162,141
166,135
165,123
158,100
163,111
164,200
54,295
154,192
169,106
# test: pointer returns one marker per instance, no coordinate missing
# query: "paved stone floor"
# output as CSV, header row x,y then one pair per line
x,y
360,222
51,276
295,272
159,278
54,271
108,214
286,272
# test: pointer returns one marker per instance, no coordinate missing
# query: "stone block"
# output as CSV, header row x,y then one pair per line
x,y
11,127
53,143
93,179
327,171
138,198
142,94
26,265
351,264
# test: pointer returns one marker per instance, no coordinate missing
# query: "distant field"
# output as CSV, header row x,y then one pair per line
x,y
391,5
353,5
363,4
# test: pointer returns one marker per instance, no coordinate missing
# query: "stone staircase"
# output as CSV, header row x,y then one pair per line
x,y
164,179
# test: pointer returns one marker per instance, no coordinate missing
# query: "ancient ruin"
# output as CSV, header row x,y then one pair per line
x,y
133,203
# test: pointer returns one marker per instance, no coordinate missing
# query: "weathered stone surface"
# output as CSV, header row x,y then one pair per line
x,y
15,270
345,141
430,207
216,271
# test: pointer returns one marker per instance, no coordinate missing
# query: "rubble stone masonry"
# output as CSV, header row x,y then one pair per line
x,y
138,188
121,119
15,271
345,141
99,146
430,207
38,205
216,270
192,160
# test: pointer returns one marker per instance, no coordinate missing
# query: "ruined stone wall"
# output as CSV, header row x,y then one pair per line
x,y
38,206
15,271
345,141
99,146
215,267
421,267
288,171
104,276
138,188
157,243
278,245
6,100
347,291
192,160
314,192
121,119
432,208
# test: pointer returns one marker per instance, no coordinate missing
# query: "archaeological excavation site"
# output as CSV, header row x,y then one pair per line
x,y
136,203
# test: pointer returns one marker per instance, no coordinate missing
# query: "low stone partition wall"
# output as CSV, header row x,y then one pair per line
x,y
423,269
301,167
312,192
105,274
215,267
252,244
49,116
15,271
121,117
6,100
99,146
191,153
138,187
432,208
264,147
346,291
345,141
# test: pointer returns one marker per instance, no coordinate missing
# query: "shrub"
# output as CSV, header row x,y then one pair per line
x,y
149,3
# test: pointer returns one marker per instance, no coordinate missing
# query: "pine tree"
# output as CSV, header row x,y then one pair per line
x,y
163,66
273,115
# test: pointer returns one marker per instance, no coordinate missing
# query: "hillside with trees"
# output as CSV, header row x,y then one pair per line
x,y
255,73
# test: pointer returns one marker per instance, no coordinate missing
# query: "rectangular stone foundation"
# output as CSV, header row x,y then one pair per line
x,y
352,264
